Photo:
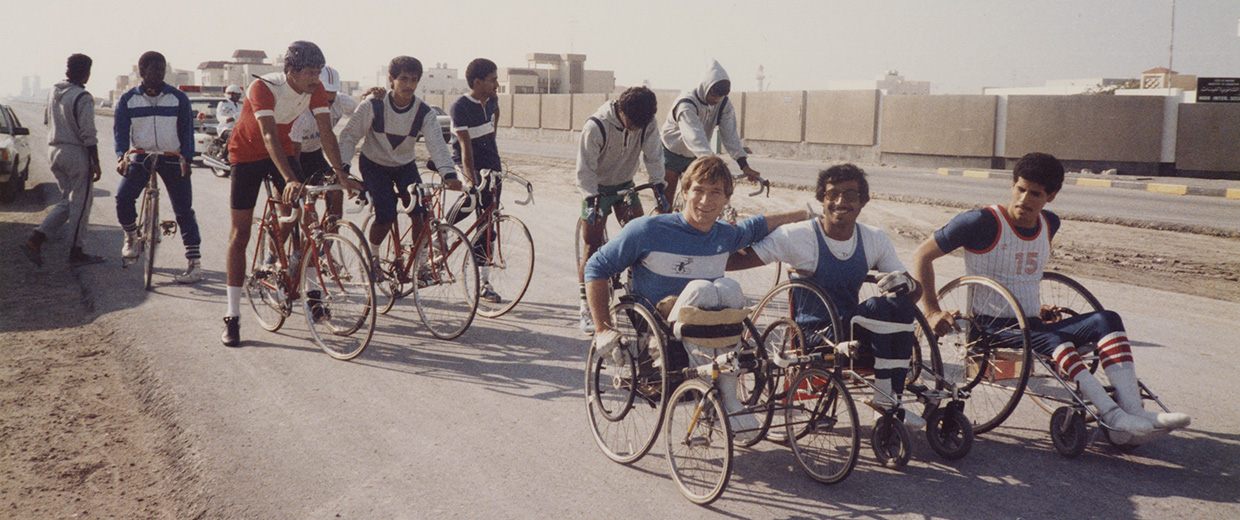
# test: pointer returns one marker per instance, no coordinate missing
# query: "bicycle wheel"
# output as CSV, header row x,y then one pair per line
x,y
987,357
150,233
337,296
446,290
626,392
699,442
265,284
510,265
821,419
762,387
392,280
807,305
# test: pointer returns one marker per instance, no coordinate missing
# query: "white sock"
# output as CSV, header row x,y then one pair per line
x,y
234,301
483,274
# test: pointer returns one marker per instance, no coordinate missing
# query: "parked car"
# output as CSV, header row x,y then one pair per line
x,y
14,155
445,122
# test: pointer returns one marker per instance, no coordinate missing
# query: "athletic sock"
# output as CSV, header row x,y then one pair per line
x,y
234,301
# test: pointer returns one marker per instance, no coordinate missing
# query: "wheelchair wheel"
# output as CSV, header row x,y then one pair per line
x,y
699,441
1068,431
987,357
891,442
1060,298
820,419
805,304
949,432
626,394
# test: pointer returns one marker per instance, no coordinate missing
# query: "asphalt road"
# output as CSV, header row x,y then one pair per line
x,y
1114,204
492,425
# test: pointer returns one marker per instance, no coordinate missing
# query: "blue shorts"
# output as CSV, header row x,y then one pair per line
x,y
383,182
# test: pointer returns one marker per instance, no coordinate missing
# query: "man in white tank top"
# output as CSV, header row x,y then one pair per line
x,y
1011,244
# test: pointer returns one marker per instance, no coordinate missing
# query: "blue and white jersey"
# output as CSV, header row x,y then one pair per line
x,y
667,253
480,119
160,123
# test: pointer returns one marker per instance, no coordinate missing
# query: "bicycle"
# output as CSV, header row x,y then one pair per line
x,y
503,244
579,248
326,268
435,266
149,226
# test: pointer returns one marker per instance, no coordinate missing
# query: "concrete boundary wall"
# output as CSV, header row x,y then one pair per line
x,y
774,116
961,126
557,111
526,110
1208,137
845,117
1085,128
1141,135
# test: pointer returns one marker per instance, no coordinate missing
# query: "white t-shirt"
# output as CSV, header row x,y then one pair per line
x,y
797,246
305,128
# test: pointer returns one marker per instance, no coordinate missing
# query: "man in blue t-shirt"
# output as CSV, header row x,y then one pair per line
x,y
474,119
679,254
1011,244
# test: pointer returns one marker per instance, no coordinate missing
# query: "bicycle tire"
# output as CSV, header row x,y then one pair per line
x,y
150,234
265,283
338,298
699,441
447,299
511,265
820,421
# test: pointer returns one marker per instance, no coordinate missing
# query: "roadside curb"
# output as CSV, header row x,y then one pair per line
x,y
1152,186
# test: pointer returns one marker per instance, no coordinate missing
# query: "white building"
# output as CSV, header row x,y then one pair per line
x,y
890,83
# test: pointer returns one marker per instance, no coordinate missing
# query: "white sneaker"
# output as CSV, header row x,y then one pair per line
x,y
587,323
132,247
192,274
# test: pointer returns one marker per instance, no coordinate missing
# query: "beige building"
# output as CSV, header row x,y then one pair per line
x,y
443,80
891,83
173,76
555,74
240,71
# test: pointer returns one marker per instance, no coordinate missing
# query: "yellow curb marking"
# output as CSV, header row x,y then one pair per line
x,y
1093,182
1233,193
977,174
1173,189
943,171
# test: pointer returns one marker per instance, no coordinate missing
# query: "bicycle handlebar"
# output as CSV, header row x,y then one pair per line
x,y
763,184
529,188
139,151
592,200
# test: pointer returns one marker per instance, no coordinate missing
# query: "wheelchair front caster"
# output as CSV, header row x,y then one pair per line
x,y
949,432
1068,431
890,440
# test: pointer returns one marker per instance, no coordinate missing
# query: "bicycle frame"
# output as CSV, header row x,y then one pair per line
x,y
150,228
492,212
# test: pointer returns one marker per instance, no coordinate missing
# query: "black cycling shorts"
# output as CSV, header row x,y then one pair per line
x,y
247,180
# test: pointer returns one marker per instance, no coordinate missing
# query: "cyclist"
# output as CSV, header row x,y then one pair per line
x,y
388,127
1011,244
668,252
693,118
612,140
73,155
261,148
157,117
835,252
307,147
474,118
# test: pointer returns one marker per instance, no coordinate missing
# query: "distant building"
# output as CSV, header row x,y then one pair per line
x,y
890,83
246,64
1061,87
1163,77
175,77
555,74
442,80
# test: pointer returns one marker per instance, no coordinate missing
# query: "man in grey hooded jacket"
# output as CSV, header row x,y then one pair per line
x,y
73,155
693,119
612,141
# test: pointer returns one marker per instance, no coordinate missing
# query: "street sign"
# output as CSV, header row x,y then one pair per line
x,y
1218,90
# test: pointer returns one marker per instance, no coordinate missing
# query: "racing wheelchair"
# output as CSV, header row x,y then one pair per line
x,y
989,358
948,432
651,383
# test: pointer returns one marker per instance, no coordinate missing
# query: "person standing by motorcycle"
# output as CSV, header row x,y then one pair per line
x,y
228,111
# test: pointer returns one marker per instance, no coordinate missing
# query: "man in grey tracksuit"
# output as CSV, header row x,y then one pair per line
x,y
611,142
693,119
73,155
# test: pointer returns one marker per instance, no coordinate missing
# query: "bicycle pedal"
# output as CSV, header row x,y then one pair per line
x,y
169,227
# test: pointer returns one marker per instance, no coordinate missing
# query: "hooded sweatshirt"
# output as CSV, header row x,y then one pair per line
x,y
691,121
608,151
71,114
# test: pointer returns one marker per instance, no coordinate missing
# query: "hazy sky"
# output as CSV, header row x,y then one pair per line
x,y
959,46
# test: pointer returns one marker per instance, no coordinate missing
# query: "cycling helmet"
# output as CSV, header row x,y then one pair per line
x,y
302,54
233,89
330,79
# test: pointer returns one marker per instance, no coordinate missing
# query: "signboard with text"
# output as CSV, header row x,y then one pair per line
x,y
1218,90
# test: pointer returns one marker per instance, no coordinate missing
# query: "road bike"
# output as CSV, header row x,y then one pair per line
x,y
150,228
294,257
502,244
